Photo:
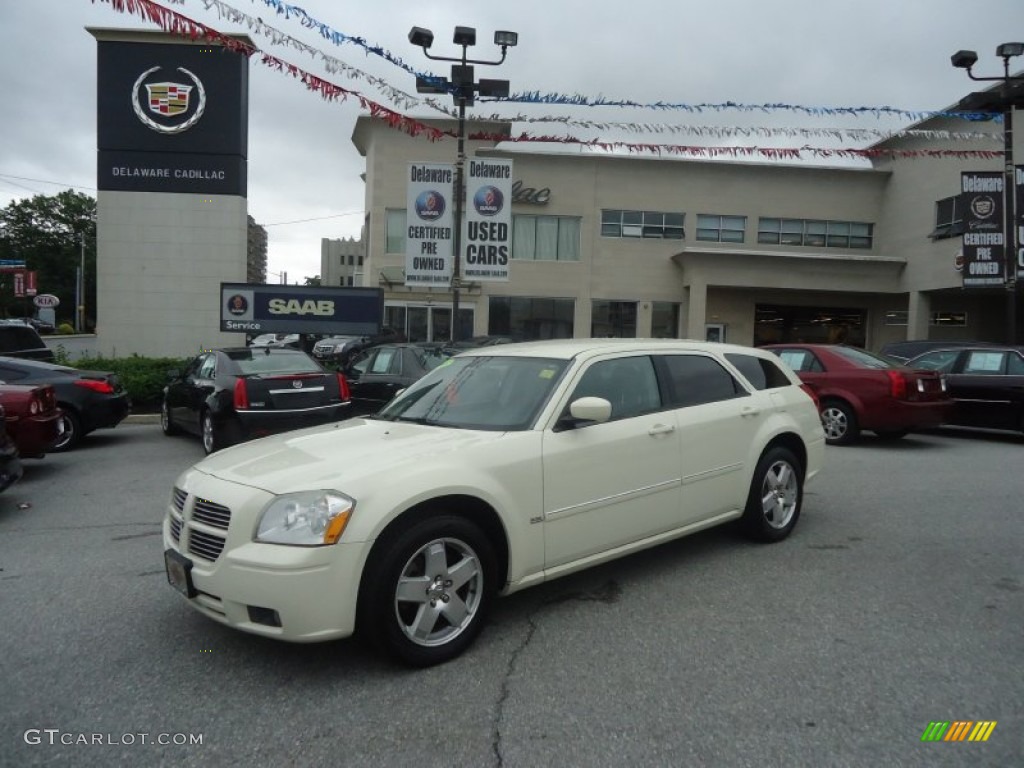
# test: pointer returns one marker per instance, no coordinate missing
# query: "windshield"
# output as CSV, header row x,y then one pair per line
x,y
492,393
865,359
268,361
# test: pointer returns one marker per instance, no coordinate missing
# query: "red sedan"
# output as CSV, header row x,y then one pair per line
x,y
859,390
32,418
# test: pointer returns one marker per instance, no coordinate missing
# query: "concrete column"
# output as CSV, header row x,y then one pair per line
x,y
696,311
919,310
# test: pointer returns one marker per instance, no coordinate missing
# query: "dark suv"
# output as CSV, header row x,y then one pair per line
x,y
18,340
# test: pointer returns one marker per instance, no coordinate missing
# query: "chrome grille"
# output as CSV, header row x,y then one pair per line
x,y
176,529
204,545
179,499
209,513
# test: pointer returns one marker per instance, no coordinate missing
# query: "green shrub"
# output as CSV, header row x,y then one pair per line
x,y
65,329
143,377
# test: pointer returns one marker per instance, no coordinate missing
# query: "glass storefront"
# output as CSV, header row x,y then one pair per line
x,y
775,323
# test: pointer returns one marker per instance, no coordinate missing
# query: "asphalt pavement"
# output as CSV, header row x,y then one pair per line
x,y
896,603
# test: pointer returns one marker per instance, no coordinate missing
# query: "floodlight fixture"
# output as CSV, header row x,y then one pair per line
x,y
506,39
421,37
495,88
465,36
964,59
1008,50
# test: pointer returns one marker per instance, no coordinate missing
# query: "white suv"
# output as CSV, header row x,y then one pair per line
x,y
502,468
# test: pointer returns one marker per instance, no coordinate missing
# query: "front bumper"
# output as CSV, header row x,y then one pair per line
x,y
297,594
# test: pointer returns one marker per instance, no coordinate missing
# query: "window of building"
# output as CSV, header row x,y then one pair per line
x,y
896,317
948,318
664,320
643,224
721,229
815,233
949,218
613,319
526,318
394,240
546,238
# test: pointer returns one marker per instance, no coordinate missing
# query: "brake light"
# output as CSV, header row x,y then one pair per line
x,y
96,385
897,385
241,399
343,389
814,395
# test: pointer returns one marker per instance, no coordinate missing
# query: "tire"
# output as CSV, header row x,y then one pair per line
x,y
212,441
839,422
166,424
428,593
72,434
776,496
891,434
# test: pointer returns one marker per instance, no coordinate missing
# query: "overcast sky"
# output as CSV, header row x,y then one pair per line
x,y
303,167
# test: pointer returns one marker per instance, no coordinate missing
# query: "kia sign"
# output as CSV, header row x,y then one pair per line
x,y
46,301
247,308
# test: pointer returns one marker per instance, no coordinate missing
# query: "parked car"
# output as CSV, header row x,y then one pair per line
x,y
20,340
862,391
10,463
339,351
228,396
88,400
378,373
32,418
901,351
502,468
986,384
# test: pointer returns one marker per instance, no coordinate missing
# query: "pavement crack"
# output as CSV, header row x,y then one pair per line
x,y
609,592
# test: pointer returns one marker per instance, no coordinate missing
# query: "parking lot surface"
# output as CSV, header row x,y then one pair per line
x,y
896,603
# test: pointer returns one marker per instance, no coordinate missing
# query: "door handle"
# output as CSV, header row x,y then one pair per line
x,y
750,411
661,429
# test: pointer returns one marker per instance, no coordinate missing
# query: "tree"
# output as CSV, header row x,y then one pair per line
x,y
314,280
46,232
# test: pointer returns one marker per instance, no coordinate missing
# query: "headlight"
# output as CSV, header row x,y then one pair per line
x,y
309,519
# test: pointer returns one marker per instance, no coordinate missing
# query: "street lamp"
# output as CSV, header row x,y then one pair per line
x,y
462,87
80,287
1005,102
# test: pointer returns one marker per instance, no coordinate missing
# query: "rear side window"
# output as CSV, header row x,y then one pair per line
x,y
799,360
17,338
761,373
696,379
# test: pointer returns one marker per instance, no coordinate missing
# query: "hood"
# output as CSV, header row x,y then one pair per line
x,y
336,455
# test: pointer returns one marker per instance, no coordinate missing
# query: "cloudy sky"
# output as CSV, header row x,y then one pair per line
x,y
304,172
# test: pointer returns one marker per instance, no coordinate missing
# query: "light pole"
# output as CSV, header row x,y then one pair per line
x,y
462,88
80,287
1005,101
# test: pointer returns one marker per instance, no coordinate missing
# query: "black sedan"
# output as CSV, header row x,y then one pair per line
x,y
227,396
379,373
986,383
90,400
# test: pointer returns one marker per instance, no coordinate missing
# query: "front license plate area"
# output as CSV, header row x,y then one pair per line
x,y
179,573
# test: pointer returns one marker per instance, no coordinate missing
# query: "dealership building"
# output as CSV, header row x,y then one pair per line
x,y
746,252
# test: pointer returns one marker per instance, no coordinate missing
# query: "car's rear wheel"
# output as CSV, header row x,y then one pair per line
x,y
211,438
166,424
776,496
428,593
839,422
71,434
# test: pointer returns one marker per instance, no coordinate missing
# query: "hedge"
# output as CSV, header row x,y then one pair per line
x,y
143,377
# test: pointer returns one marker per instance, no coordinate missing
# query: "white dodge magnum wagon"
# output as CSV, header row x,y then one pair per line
x,y
504,467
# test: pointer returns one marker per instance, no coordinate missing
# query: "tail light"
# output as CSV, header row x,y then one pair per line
x,y
897,385
343,390
814,395
241,400
96,385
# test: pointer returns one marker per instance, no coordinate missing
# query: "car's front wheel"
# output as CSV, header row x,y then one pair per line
x,y
71,430
839,422
429,591
775,497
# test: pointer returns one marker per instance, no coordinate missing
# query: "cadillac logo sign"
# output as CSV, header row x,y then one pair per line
x,y
169,100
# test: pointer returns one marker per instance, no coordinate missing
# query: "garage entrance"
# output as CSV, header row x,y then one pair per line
x,y
776,323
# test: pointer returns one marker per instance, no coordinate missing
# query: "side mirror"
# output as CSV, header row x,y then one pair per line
x,y
585,410
172,374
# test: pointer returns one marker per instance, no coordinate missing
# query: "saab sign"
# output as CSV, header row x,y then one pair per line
x,y
247,308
